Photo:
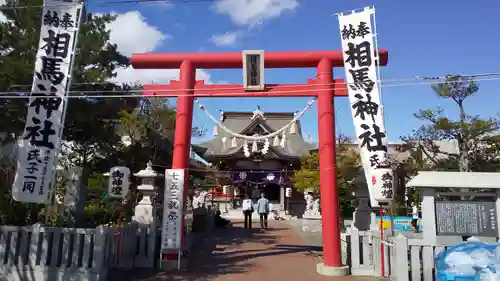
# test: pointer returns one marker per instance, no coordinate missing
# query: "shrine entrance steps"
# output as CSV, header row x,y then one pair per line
x,y
243,254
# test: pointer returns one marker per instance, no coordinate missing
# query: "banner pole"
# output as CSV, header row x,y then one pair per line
x,y
65,103
382,245
179,260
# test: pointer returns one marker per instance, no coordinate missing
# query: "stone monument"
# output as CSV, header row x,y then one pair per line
x,y
443,221
363,217
316,207
312,206
76,194
311,219
199,199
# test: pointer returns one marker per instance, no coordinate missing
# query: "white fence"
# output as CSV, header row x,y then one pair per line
x,y
62,254
146,246
43,253
404,259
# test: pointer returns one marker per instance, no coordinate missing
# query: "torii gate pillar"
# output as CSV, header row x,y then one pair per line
x,y
323,87
184,120
329,193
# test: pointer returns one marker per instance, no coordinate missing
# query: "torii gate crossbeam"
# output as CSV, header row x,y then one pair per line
x,y
325,90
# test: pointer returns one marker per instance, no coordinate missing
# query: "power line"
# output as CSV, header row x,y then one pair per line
x,y
139,93
150,1
105,3
385,80
472,76
463,76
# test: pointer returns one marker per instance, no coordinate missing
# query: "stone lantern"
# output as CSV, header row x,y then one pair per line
x,y
144,212
364,218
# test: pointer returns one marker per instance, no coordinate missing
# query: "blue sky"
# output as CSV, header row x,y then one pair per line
x,y
430,38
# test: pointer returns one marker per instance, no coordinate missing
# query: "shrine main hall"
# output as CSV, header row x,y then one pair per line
x,y
256,167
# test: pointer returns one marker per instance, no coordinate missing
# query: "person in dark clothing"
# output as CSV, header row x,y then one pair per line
x,y
221,222
247,211
263,220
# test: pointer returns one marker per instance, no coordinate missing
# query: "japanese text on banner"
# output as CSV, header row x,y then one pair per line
x,y
173,207
360,65
38,144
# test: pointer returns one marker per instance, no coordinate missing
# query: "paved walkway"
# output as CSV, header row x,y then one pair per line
x,y
277,253
309,238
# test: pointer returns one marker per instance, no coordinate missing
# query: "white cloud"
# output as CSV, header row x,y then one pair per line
x,y
133,34
226,39
253,12
2,17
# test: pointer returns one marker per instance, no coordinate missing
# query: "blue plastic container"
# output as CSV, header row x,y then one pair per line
x,y
440,265
445,276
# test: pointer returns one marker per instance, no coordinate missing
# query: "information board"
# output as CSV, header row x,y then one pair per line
x,y
466,218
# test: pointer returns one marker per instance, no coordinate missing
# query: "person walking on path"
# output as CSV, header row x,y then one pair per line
x,y
247,211
263,210
415,217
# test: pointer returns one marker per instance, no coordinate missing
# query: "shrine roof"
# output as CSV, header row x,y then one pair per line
x,y
251,123
441,179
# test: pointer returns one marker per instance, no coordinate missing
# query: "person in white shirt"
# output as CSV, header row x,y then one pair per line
x,y
247,211
415,217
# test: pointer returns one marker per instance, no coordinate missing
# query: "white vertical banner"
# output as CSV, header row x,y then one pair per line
x,y
360,64
39,142
173,208
119,182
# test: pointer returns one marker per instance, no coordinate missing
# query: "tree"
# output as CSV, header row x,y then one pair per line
x,y
308,175
347,165
91,134
95,63
475,137
152,115
89,126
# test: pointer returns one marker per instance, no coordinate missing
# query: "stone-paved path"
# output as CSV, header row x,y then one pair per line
x,y
239,254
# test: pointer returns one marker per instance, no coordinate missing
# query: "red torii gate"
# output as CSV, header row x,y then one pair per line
x,y
324,88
